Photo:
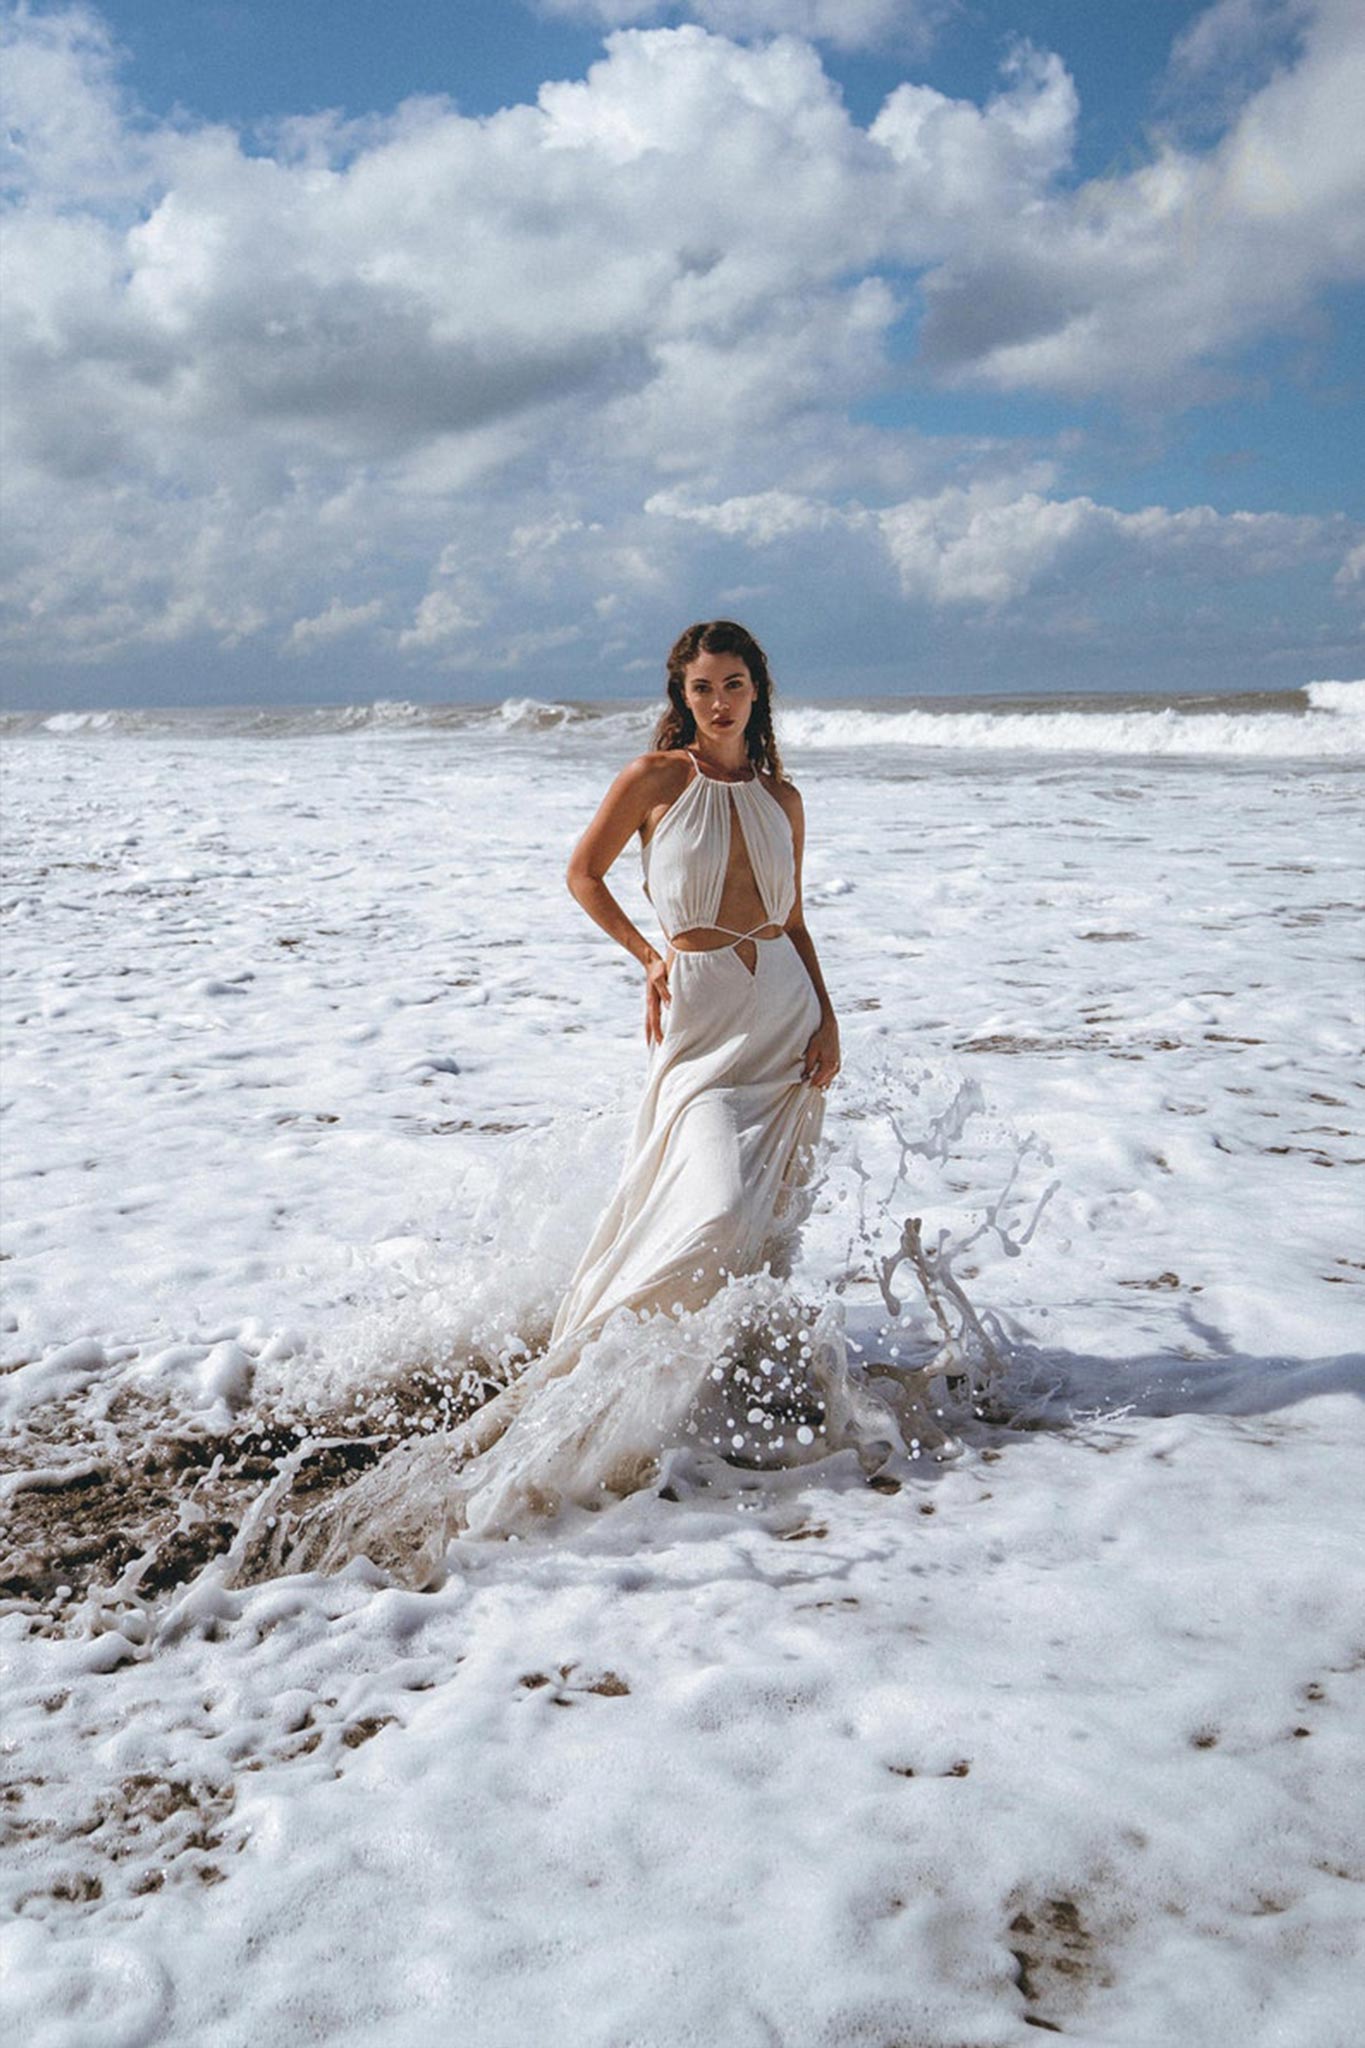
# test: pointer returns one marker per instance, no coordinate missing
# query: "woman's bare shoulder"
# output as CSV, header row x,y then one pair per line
x,y
647,782
787,793
661,762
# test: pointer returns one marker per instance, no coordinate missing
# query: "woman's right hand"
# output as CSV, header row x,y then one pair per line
x,y
657,993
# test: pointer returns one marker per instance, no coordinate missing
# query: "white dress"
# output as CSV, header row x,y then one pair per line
x,y
711,1190
725,1130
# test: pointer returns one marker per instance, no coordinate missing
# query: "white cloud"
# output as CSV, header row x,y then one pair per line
x,y
1233,33
65,132
987,544
973,546
1352,570
846,24
761,519
334,624
440,619
539,535
982,545
1134,283
959,163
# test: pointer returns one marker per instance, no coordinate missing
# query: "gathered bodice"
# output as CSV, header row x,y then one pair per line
x,y
685,861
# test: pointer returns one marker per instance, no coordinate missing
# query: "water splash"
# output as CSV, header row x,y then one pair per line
x,y
432,1408
762,1376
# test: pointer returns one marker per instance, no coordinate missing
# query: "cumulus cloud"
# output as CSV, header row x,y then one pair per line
x,y
760,519
66,131
505,375
958,164
334,624
440,619
1134,283
980,545
991,542
845,24
1352,570
1233,35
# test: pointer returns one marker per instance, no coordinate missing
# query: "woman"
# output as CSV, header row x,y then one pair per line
x,y
743,1034
743,1044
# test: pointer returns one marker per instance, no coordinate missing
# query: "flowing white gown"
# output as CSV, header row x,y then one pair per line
x,y
712,1189
725,1130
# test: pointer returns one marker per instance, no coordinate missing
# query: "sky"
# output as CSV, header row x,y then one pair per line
x,y
446,351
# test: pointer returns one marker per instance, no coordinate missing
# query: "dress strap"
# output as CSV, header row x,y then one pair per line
x,y
728,929
750,778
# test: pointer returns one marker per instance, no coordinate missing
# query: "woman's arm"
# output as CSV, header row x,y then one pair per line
x,y
641,785
822,1057
621,812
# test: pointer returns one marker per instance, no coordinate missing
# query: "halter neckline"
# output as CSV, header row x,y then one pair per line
x,y
686,857
733,782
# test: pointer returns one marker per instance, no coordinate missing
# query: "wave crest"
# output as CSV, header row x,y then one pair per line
x,y
1332,725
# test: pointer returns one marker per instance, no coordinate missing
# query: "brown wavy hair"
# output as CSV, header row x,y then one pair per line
x,y
678,728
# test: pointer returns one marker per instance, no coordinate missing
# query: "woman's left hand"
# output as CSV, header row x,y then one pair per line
x,y
821,1062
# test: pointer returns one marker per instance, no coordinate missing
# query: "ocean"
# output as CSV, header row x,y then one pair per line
x,y
1322,720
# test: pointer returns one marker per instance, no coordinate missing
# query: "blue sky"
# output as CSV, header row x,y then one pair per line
x,y
469,350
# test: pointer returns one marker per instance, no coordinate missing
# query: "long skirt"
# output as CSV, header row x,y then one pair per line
x,y
712,1193
722,1143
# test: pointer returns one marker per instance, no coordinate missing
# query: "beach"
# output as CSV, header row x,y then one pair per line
x,y
316,1080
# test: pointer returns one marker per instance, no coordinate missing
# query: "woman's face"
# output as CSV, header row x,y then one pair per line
x,y
720,693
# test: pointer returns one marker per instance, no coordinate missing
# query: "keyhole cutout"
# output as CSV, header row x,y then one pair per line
x,y
746,950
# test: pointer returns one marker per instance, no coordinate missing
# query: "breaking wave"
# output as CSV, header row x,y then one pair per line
x,y
1323,721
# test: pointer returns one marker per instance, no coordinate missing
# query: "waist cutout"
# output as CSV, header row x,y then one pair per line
x,y
698,939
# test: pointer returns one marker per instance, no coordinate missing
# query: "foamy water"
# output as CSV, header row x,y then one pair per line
x,y
315,1081
1322,720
